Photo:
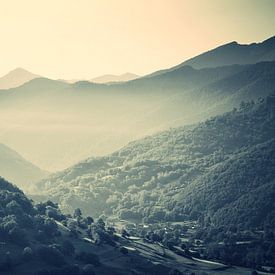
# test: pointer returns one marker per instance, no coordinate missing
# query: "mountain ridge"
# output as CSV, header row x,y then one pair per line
x,y
110,78
179,97
15,78
229,54
15,168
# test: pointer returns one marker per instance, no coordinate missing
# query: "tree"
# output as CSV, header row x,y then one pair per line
x,y
77,213
90,220
18,236
101,223
13,207
50,227
124,233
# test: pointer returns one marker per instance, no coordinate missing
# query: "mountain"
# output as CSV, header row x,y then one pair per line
x,y
110,78
16,78
199,171
215,178
56,124
218,174
230,54
15,168
235,53
105,79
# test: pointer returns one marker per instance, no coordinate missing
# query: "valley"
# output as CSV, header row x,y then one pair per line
x,y
168,173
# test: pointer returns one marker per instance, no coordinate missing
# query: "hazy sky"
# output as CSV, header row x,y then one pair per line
x,y
87,38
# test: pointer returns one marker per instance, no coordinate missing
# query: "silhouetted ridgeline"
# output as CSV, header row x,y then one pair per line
x,y
231,53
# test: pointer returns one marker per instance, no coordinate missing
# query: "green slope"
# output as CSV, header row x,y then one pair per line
x,y
196,171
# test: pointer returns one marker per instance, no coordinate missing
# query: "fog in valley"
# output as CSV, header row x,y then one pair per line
x,y
55,124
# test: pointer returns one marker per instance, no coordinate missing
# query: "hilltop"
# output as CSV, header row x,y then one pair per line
x,y
15,78
230,54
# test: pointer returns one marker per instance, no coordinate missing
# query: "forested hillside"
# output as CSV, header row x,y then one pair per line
x,y
193,172
40,240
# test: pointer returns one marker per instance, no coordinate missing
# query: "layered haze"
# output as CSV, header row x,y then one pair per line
x,y
18,170
55,124
66,39
143,135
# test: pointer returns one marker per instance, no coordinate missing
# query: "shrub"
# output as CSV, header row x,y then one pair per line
x,y
50,227
54,213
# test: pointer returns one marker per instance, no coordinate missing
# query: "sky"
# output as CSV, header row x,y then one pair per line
x,y
81,39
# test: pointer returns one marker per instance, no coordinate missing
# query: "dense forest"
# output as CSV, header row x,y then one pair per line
x,y
40,240
218,173
193,172
32,237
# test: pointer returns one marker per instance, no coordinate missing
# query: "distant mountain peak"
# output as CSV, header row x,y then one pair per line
x,y
16,77
228,54
108,78
19,69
